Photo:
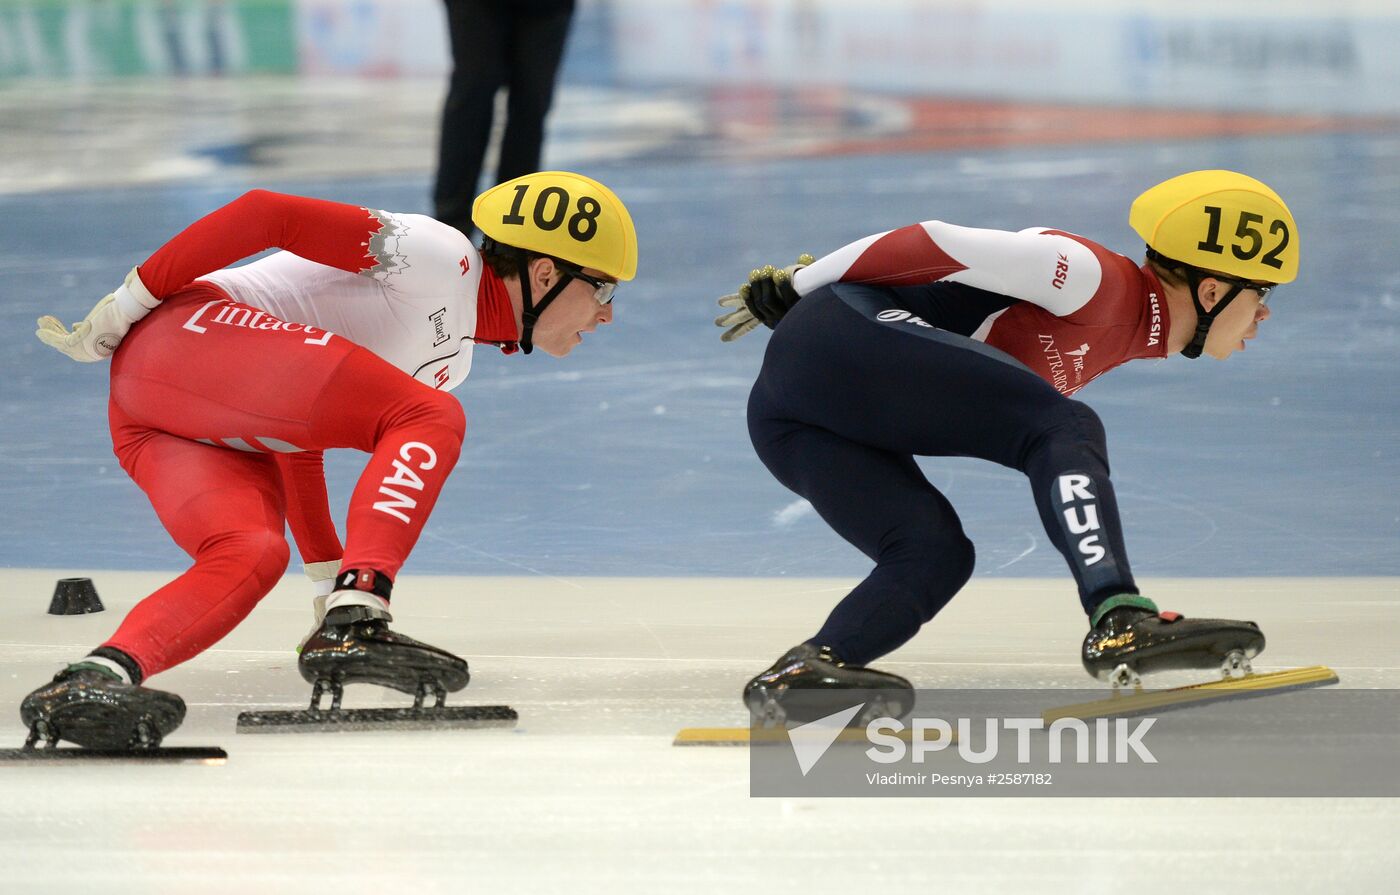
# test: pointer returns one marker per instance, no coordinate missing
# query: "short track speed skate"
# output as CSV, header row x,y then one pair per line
x,y
354,645
1131,638
811,682
807,684
1129,642
105,716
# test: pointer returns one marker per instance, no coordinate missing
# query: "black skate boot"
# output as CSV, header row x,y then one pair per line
x,y
811,682
354,645
91,706
1131,637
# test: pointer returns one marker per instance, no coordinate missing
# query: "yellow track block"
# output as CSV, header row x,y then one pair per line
x,y
745,736
723,736
1148,700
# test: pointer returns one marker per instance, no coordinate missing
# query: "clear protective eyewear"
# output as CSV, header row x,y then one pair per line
x,y
602,289
1262,288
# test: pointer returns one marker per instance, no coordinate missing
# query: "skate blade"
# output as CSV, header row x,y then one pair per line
x,y
1246,687
347,720
764,736
205,755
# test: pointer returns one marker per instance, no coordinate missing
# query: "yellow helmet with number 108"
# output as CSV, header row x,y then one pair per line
x,y
569,216
1220,221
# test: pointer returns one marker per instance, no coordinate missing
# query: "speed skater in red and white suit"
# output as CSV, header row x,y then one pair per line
x,y
228,383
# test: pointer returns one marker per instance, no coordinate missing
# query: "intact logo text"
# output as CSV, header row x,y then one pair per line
x,y
440,333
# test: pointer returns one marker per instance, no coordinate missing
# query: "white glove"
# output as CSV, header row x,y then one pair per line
x,y
97,335
765,298
322,575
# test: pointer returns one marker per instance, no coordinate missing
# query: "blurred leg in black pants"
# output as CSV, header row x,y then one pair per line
x,y
516,44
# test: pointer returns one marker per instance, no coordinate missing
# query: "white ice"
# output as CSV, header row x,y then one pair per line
x,y
587,794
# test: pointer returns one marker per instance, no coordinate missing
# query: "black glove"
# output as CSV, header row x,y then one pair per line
x,y
765,298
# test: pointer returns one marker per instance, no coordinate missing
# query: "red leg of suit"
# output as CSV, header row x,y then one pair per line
x,y
308,506
203,369
225,509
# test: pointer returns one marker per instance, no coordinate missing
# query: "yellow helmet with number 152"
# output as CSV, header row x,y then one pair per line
x,y
1220,221
569,216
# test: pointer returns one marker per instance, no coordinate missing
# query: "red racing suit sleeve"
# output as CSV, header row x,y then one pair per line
x,y
308,506
329,233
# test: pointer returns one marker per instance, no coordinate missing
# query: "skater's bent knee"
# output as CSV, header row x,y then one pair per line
x,y
1086,420
432,417
269,554
262,552
1070,425
932,570
950,567
1075,420
441,410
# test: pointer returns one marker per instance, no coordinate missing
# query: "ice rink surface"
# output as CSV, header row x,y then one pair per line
x,y
587,794
614,561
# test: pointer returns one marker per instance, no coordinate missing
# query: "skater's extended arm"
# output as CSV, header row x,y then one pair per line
x,y
1058,271
410,255
327,232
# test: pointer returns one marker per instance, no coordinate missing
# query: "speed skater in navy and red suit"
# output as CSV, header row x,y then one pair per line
x,y
941,340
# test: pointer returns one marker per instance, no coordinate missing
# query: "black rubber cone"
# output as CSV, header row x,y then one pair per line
x,y
74,596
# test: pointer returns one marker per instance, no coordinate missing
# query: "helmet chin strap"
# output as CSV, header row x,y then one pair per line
x,y
530,312
1204,318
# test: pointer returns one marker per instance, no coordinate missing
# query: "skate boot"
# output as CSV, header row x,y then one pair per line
x,y
811,682
354,645
1130,637
93,707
